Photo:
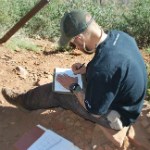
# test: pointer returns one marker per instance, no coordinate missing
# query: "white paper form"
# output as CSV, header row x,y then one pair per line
x,y
52,141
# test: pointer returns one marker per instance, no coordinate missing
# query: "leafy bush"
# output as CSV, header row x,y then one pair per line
x,y
133,18
22,43
148,85
138,21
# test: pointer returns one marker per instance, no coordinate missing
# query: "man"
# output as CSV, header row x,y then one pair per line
x,y
116,76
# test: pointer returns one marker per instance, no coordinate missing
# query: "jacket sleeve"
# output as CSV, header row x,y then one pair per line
x,y
100,92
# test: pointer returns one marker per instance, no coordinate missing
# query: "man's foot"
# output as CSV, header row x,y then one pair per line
x,y
12,97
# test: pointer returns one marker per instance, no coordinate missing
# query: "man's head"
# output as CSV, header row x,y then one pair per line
x,y
79,28
72,24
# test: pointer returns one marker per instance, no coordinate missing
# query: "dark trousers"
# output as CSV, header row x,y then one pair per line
x,y
43,97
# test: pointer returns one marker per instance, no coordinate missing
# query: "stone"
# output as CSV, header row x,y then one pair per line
x,y
22,72
126,144
139,133
1,101
98,137
116,137
148,115
137,136
42,81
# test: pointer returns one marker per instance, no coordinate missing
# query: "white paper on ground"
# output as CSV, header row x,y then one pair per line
x,y
52,141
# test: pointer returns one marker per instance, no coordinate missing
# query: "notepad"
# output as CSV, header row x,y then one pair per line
x,y
57,87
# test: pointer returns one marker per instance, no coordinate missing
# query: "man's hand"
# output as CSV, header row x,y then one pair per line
x,y
66,80
77,70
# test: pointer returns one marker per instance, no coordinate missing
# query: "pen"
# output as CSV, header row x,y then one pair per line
x,y
81,66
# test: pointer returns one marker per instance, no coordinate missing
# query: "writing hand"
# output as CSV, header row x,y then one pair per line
x,y
79,68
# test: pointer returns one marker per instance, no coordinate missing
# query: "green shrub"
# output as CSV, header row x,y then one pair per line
x,y
133,18
138,21
46,22
148,90
17,43
148,85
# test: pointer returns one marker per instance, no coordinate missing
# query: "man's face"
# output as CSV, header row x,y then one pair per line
x,y
79,43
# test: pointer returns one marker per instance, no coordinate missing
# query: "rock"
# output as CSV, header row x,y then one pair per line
x,y
34,77
42,81
94,147
22,72
116,137
139,137
148,115
50,77
139,133
7,57
98,138
1,101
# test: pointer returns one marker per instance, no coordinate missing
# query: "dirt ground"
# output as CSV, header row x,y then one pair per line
x,y
15,122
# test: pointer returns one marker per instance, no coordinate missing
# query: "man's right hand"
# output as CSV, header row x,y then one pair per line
x,y
77,70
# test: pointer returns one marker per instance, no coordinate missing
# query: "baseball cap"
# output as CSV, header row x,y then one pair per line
x,y
72,24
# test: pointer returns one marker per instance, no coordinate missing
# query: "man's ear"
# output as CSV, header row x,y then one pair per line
x,y
88,17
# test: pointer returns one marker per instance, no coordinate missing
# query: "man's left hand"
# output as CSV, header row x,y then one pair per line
x,y
66,80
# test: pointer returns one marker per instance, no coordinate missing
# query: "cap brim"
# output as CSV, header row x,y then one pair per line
x,y
63,41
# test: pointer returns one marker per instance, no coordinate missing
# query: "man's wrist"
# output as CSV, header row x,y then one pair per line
x,y
77,90
74,87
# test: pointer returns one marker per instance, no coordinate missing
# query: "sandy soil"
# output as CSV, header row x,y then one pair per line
x,y
15,122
